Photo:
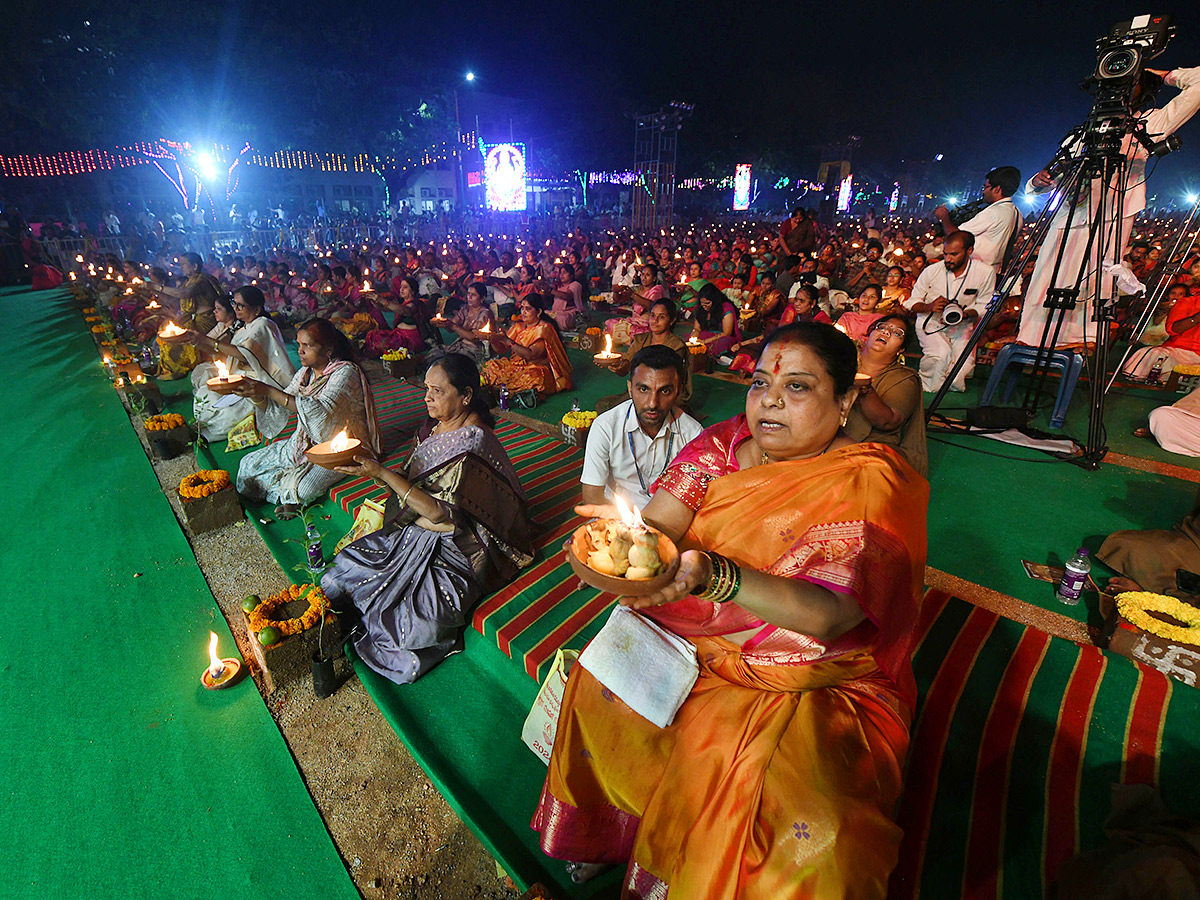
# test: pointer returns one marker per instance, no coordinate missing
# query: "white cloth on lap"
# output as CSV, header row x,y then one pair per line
x,y
648,667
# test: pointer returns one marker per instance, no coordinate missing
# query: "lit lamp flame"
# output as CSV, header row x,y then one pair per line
x,y
366,285
171,331
79,257
222,370
630,516
486,329
340,442
153,304
840,327
216,668
693,340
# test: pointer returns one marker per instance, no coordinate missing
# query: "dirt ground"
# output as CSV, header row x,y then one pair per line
x,y
397,836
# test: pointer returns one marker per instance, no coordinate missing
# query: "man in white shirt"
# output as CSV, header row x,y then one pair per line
x,y
506,270
630,446
994,225
958,279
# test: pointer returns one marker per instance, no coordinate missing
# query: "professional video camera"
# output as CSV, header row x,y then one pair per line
x,y
1121,56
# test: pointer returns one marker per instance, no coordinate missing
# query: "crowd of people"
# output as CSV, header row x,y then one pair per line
x,y
799,599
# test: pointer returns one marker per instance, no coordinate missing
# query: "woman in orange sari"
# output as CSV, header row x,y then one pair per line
x,y
538,361
803,559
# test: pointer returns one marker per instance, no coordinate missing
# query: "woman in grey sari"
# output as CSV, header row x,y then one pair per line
x,y
455,528
329,393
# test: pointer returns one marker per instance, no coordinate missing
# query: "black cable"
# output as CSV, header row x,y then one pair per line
x,y
979,449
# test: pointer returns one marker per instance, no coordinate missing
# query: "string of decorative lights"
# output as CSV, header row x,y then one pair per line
x,y
72,162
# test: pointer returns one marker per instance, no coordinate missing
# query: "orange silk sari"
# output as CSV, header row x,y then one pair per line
x,y
780,774
547,377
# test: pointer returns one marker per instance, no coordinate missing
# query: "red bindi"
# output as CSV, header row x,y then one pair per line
x,y
778,357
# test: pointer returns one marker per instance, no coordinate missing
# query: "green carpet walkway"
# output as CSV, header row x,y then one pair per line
x,y
122,776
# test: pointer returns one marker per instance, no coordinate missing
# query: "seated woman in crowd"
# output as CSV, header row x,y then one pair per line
x,y
568,297
771,301
890,407
803,559
689,295
1182,346
357,313
716,321
639,300
411,329
469,320
252,346
662,319
538,359
803,307
893,293
196,298
857,323
328,394
456,528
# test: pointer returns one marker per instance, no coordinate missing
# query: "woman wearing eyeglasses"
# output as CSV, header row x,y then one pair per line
x,y
890,407
253,346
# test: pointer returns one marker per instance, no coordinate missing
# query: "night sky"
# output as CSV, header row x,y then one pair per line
x,y
982,84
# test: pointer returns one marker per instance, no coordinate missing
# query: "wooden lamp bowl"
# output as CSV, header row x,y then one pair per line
x,y
217,386
173,338
608,362
580,546
321,455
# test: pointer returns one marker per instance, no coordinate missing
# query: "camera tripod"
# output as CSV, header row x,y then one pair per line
x,y
1093,170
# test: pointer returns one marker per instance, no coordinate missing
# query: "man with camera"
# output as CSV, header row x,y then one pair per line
x,y
947,298
995,225
1078,324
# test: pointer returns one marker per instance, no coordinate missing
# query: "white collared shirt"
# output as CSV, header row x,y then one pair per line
x,y
992,227
609,461
971,290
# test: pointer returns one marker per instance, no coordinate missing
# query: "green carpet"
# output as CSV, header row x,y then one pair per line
x,y
123,776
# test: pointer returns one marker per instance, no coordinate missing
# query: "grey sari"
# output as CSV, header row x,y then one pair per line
x,y
413,587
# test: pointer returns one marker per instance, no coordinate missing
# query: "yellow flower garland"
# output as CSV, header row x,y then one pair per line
x,y
98,329
165,422
203,483
579,419
260,617
1136,606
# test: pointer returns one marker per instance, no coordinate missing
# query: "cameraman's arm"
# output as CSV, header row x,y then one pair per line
x,y
1170,118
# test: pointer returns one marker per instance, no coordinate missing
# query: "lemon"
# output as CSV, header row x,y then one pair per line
x,y
250,602
270,635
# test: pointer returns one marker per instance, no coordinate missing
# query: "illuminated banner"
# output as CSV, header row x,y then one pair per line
x,y
504,177
845,193
741,187
894,200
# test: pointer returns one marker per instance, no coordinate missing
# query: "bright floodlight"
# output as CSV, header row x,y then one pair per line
x,y
1191,197
470,76
206,166
938,158
952,201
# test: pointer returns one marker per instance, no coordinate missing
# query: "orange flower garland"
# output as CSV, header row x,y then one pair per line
x,y
260,617
203,483
165,422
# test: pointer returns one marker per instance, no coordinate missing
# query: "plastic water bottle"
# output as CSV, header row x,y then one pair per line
x,y
1075,576
316,554
504,396
1155,372
575,407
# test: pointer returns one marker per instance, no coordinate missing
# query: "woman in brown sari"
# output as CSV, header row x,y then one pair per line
x,y
196,299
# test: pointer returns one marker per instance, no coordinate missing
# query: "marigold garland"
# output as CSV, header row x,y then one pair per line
x,y
165,422
260,617
203,483
91,318
394,355
579,418
1136,606
98,329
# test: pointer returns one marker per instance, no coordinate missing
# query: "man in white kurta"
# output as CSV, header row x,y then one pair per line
x,y
1078,326
956,278
1177,427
